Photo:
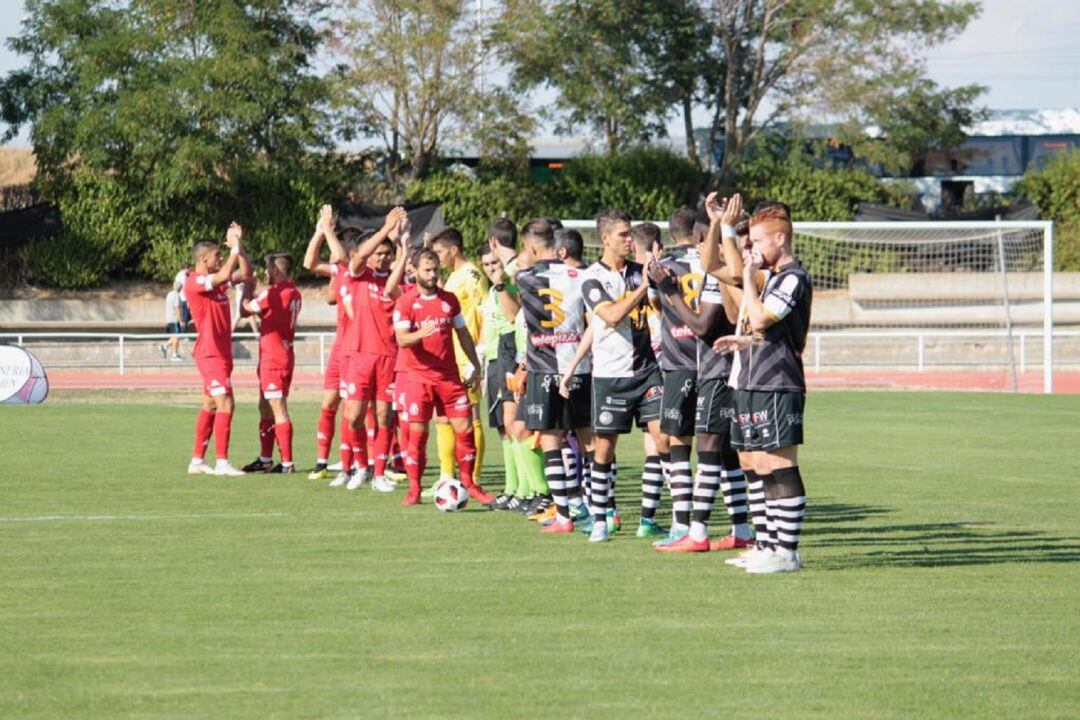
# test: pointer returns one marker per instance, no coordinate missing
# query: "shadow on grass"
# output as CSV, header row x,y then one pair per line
x,y
924,544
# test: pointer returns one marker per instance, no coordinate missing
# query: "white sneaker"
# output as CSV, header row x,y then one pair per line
x,y
750,556
599,533
227,468
336,467
199,468
381,484
775,563
359,477
176,358
341,479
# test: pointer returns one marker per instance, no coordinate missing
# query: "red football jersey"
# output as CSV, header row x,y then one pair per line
x,y
432,359
279,307
339,282
372,327
209,308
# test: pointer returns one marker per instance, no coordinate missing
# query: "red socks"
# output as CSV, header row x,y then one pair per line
x,y
222,430
325,434
382,450
283,433
266,438
465,451
204,425
346,447
359,447
416,459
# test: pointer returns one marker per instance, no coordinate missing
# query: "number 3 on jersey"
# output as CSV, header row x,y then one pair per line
x,y
553,306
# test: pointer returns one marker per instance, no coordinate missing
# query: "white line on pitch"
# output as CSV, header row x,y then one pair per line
x,y
110,518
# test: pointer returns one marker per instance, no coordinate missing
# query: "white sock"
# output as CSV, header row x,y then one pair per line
x,y
197,461
698,531
678,528
266,459
286,464
222,462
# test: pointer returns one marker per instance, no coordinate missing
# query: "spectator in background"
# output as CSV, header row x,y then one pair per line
x,y
185,311
174,323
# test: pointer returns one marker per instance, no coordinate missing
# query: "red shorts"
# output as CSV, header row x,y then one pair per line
x,y
448,398
216,375
401,381
275,379
332,374
369,377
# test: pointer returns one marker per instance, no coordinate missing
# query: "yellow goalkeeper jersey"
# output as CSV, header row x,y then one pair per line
x,y
470,287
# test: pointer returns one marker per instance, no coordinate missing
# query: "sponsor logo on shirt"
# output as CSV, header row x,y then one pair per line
x,y
553,339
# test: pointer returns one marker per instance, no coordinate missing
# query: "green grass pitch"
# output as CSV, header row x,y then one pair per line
x,y
941,580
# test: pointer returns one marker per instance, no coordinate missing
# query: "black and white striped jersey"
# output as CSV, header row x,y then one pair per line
x,y
711,365
678,342
550,293
776,364
625,349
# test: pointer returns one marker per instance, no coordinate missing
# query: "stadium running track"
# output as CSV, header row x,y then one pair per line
x,y
1065,382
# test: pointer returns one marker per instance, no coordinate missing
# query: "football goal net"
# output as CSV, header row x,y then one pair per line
x,y
895,302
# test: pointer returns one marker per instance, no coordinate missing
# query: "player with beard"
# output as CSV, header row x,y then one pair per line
x,y
627,384
708,312
207,292
771,385
426,318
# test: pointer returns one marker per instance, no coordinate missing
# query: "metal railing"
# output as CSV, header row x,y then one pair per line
x,y
821,345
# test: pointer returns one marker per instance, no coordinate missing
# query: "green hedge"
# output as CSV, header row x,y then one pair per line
x,y
1055,190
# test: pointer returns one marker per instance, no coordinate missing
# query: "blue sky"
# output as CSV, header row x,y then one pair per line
x,y
1027,54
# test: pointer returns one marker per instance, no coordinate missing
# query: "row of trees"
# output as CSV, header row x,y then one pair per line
x,y
154,122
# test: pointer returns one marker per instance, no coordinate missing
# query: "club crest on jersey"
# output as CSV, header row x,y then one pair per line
x,y
571,273
445,307
414,409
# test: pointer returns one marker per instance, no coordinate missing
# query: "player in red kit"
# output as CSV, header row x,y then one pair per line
x,y
425,320
369,343
207,291
278,308
335,269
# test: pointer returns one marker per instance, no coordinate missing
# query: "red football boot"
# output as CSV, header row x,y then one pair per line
x,y
413,498
558,526
730,542
478,494
685,544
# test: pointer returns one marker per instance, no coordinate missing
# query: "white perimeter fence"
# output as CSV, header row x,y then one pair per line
x,y
841,350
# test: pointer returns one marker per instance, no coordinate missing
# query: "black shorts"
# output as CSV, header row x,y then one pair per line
x,y
618,402
546,409
715,408
679,404
495,390
767,420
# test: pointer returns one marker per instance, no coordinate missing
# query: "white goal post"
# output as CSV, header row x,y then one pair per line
x,y
979,290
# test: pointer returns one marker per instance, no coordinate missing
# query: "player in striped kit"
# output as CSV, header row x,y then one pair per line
x,y
627,385
554,312
770,384
697,303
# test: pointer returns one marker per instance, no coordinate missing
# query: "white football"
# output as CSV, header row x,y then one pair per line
x,y
450,495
